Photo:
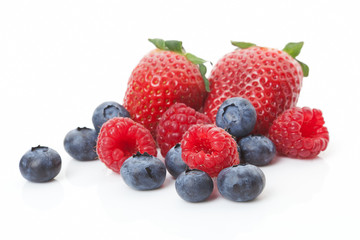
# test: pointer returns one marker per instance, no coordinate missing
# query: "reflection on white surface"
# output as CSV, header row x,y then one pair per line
x,y
84,173
43,196
288,179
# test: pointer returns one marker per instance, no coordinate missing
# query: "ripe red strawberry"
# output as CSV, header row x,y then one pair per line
x,y
300,133
163,77
120,138
174,123
209,148
269,78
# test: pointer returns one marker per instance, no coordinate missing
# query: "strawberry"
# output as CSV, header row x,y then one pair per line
x,y
163,77
269,78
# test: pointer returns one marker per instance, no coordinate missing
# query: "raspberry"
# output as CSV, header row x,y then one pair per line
x,y
300,133
209,148
174,123
120,138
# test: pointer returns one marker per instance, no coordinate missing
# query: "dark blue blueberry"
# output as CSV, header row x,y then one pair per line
x,y
237,115
194,185
257,150
40,164
241,183
173,161
106,111
143,172
80,144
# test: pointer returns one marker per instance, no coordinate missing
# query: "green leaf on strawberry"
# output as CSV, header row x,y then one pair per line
x,y
194,59
175,46
203,72
294,49
242,45
170,45
159,43
304,68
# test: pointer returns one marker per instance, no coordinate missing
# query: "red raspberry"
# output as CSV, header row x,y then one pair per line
x,y
300,133
120,138
209,148
174,123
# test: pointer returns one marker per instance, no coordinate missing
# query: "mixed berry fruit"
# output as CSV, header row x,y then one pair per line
x,y
174,123
173,161
257,150
300,133
194,185
209,148
80,144
269,78
237,115
163,77
143,172
40,164
241,183
107,111
120,138
223,128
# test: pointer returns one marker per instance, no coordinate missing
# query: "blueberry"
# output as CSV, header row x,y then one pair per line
x,y
106,111
80,144
257,150
237,115
40,164
241,183
173,161
143,172
194,185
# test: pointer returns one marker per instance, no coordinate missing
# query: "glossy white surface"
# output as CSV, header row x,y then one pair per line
x,y
60,59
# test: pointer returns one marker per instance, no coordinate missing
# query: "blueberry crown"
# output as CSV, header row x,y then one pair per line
x,y
38,147
139,154
82,128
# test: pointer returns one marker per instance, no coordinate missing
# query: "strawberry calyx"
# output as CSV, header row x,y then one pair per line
x,y
176,46
242,45
292,48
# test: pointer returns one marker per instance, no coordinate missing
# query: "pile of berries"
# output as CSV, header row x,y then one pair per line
x,y
223,128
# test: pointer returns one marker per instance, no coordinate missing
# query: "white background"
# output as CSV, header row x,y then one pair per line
x,y
60,59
